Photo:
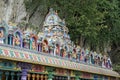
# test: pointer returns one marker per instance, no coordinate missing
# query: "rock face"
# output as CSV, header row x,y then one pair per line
x,y
12,10
15,11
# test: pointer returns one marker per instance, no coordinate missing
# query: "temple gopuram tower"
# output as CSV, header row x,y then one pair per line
x,y
55,35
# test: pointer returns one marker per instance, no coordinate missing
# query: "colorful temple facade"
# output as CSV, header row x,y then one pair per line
x,y
49,55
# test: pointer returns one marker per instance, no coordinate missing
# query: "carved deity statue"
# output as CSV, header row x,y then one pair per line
x,y
45,46
104,61
33,45
82,55
26,43
64,53
17,40
1,36
74,54
109,63
57,50
1,33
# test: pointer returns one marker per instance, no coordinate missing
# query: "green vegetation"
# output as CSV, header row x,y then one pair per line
x,y
94,24
117,67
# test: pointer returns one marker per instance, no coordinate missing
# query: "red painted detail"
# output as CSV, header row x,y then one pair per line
x,y
6,52
16,54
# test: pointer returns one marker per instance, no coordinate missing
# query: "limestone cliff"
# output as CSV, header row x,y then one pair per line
x,y
15,11
12,10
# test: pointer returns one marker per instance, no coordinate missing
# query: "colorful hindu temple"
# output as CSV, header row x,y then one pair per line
x,y
49,55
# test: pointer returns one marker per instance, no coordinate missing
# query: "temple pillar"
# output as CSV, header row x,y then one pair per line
x,y
10,40
50,76
76,77
21,43
6,75
29,75
33,76
38,76
50,71
77,74
41,77
38,47
45,77
59,78
30,44
24,74
68,78
1,75
12,75
18,76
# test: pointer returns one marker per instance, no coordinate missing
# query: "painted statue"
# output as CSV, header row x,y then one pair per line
x,y
78,52
104,63
92,57
82,56
33,44
101,61
57,50
1,36
78,56
50,48
109,63
63,52
74,54
26,43
70,51
86,51
1,33
98,61
16,40
45,46
89,58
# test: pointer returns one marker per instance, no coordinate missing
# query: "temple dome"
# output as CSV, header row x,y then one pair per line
x,y
53,19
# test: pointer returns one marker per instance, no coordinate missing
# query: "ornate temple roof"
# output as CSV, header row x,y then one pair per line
x,y
17,54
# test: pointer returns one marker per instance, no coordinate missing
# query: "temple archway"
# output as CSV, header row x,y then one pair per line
x,y
10,39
